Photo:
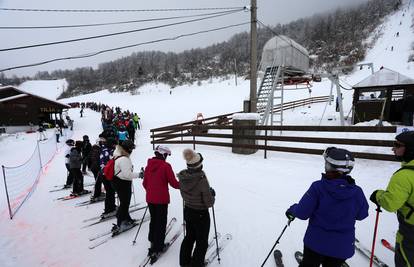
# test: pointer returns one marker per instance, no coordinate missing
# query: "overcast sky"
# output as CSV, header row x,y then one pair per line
x,y
270,12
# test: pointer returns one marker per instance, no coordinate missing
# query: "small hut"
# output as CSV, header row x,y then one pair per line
x,y
384,95
19,110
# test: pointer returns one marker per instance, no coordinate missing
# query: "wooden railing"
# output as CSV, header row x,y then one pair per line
x,y
197,135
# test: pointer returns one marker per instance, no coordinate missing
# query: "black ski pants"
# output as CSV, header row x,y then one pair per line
x,y
110,194
314,259
97,191
77,181
123,189
69,178
158,225
197,226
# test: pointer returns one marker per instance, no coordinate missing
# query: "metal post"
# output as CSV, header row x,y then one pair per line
x,y
339,96
265,150
253,56
193,139
7,193
153,140
40,158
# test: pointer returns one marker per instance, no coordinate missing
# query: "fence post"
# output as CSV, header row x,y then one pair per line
x,y
40,155
193,139
7,193
153,140
265,150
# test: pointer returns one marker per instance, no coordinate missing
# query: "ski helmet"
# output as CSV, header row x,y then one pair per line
x,y
128,145
338,159
163,150
85,137
407,138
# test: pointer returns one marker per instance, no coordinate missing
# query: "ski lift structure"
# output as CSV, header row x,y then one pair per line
x,y
284,63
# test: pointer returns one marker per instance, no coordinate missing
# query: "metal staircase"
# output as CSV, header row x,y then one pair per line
x,y
270,95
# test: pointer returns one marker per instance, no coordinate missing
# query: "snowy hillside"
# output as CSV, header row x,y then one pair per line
x,y
253,193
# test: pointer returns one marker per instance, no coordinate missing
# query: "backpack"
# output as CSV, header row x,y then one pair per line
x,y
109,169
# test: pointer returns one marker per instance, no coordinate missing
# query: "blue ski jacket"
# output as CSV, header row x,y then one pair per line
x,y
332,207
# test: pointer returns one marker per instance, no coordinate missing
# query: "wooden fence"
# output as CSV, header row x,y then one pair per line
x,y
207,133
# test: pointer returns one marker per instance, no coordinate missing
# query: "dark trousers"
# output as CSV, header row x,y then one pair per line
x,y
98,183
57,138
407,118
77,180
197,226
109,196
85,163
123,189
314,259
157,226
69,178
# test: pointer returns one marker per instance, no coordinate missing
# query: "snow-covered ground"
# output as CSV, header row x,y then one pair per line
x,y
253,193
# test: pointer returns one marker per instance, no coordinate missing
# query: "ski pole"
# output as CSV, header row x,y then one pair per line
x,y
183,217
140,224
277,242
375,235
215,233
133,192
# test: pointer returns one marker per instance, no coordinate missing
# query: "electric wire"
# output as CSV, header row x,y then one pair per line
x,y
124,47
114,34
118,10
108,23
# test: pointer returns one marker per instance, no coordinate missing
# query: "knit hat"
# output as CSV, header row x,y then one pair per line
x,y
194,160
338,159
407,138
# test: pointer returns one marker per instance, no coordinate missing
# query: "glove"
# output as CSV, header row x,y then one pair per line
x,y
141,173
213,193
373,198
289,215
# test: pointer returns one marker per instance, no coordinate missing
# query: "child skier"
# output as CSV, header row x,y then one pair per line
x,y
332,205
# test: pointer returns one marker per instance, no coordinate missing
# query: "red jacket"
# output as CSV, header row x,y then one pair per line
x,y
158,174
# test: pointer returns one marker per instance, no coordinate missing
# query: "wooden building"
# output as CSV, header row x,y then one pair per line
x,y
19,108
383,95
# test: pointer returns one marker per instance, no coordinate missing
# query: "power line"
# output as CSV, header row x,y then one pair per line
x,y
113,34
108,23
119,10
124,47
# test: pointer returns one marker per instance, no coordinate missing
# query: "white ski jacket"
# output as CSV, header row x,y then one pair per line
x,y
123,165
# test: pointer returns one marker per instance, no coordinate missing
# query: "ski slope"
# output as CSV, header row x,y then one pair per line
x,y
253,193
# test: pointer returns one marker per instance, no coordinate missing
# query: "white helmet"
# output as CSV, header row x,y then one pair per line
x,y
338,159
163,150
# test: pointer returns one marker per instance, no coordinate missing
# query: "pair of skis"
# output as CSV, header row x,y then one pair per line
x,y
106,236
169,243
99,219
277,254
65,198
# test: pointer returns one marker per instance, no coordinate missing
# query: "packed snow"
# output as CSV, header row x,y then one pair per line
x,y
253,193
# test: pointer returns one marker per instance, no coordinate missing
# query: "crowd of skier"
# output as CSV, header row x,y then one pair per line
x,y
114,146
330,236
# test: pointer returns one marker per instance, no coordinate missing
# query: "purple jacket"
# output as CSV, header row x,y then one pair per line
x,y
332,207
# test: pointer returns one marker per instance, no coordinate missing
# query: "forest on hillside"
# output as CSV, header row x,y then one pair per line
x,y
332,39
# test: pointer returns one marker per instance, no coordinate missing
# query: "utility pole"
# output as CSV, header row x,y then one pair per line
x,y
235,70
253,56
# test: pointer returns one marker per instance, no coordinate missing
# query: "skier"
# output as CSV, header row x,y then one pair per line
x,y
131,130
157,175
42,130
332,205
122,134
81,112
123,175
86,149
95,168
57,133
107,149
399,197
69,179
75,160
198,198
